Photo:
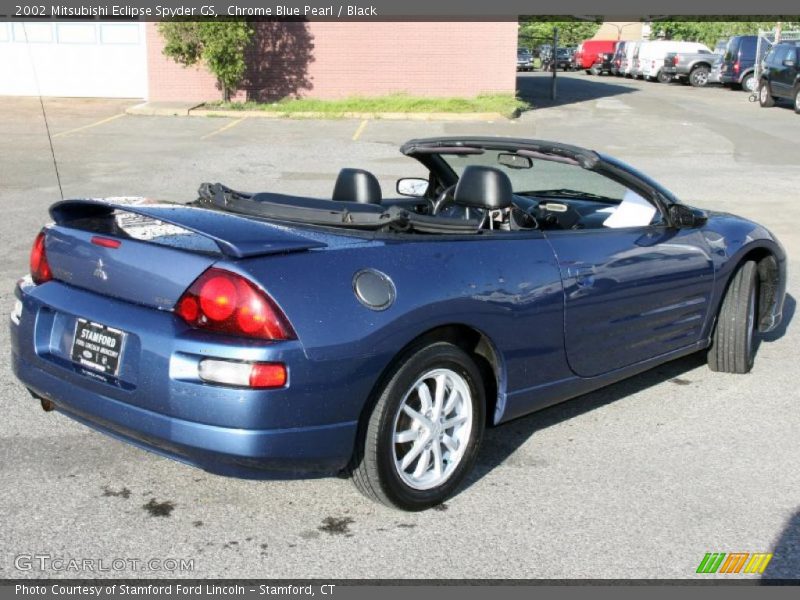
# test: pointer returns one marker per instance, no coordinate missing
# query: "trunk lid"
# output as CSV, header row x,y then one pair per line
x,y
148,253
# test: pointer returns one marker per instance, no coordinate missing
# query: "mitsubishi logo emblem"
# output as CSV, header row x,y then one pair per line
x,y
99,272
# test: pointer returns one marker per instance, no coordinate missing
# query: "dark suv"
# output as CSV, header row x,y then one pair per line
x,y
738,62
781,77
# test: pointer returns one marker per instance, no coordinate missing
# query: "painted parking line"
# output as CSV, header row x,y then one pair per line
x,y
223,128
360,130
95,124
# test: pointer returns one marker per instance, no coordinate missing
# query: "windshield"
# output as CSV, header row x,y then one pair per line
x,y
530,176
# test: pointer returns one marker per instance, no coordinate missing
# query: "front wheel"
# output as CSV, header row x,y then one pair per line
x,y
765,99
663,77
732,346
424,432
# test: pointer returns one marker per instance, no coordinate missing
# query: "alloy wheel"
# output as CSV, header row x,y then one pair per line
x,y
432,429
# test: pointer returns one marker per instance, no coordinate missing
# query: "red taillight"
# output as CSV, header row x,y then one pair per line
x,y
106,242
40,269
675,60
223,301
736,66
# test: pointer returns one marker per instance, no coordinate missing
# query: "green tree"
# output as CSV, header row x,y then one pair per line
x,y
709,30
534,31
220,45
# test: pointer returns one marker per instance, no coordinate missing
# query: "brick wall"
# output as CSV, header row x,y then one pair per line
x,y
335,60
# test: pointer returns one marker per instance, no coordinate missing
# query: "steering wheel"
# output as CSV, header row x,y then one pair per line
x,y
445,205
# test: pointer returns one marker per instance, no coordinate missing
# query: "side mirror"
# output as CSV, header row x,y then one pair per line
x,y
686,217
416,187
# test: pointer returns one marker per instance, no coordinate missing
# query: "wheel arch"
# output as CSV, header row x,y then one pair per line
x,y
769,281
475,343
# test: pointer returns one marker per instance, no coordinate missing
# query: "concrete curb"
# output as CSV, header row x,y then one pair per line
x,y
163,109
388,116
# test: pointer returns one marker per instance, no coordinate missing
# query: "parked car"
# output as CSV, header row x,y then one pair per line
x,y
781,76
738,62
629,61
652,55
587,52
561,60
603,64
690,67
524,60
619,57
636,66
264,334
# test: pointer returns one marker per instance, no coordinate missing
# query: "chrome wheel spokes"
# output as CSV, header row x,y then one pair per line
x,y
432,429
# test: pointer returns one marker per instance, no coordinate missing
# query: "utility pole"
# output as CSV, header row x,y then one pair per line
x,y
554,63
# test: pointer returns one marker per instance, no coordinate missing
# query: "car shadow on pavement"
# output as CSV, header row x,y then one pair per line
x,y
785,563
570,89
502,441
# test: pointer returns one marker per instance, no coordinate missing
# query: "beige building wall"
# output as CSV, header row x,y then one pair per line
x,y
623,30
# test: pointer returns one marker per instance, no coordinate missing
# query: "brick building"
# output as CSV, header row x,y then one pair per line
x,y
334,60
309,59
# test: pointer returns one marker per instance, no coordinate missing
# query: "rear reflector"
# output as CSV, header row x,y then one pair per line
x,y
106,242
242,374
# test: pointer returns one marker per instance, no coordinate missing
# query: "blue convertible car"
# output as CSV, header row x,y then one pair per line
x,y
262,334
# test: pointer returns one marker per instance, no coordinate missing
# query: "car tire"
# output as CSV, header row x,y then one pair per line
x,y
403,411
663,77
699,77
588,71
765,98
748,83
733,343
797,100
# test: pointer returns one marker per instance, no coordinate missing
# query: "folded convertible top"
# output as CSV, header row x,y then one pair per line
x,y
318,211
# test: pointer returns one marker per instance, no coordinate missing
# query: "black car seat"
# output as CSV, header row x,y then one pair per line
x,y
357,185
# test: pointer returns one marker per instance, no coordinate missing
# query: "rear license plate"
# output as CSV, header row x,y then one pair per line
x,y
97,346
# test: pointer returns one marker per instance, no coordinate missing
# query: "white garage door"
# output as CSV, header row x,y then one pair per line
x,y
88,59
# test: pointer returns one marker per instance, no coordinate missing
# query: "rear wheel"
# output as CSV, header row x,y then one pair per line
x,y
732,347
425,430
699,77
797,100
749,83
765,98
663,77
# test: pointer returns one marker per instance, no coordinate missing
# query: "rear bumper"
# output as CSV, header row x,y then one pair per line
x,y
221,450
301,429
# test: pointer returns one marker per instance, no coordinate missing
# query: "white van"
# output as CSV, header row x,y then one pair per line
x,y
651,56
631,49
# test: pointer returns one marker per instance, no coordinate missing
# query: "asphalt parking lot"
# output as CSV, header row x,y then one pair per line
x,y
638,480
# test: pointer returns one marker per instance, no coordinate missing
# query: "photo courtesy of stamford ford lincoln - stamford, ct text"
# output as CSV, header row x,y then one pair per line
x,y
399,298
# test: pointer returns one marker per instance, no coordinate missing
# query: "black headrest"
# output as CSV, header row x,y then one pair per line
x,y
483,187
357,185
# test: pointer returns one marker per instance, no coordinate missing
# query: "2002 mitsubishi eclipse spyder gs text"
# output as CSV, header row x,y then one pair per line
x,y
263,334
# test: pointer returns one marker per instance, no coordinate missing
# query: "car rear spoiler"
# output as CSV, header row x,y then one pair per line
x,y
235,236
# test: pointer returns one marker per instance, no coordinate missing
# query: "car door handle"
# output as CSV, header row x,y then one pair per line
x,y
584,276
